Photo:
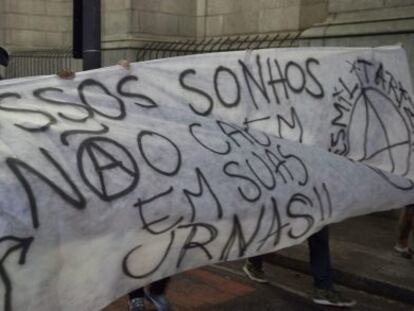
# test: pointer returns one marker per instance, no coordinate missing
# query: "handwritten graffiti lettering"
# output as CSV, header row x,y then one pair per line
x,y
193,131
249,182
39,128
190,243
107,157
202,183
17,166
64,136
175,154
125,266
150,224
294,124
281,80
268,185
85,88
275,228
250,78
237,234
357,105
189,161
219,73
300,199
299,209
17,244
144,101
42,92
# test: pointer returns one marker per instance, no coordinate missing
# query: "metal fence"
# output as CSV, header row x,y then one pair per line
x,y
43,62
155,50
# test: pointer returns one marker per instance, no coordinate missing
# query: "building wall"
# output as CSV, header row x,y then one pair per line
x,y
230,17
36,23
1,25
165,18
366,6
116,17
2,69
365,23
130,24
31,24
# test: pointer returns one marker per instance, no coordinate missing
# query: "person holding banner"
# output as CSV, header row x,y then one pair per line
x,y
320,261
4,59
405,227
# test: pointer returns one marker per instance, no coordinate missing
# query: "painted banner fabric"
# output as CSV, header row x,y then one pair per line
x,y
121,177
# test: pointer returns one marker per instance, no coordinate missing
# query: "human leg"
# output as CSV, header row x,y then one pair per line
x,y
156,294
136,300
405,226
253,268
159,287
320,261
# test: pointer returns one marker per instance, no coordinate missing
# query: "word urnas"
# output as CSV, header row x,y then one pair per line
x,y
292,219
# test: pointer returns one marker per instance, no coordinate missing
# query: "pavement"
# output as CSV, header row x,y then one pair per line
x,y
365,268
220,290
363,257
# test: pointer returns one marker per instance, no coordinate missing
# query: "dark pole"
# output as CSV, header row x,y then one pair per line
x,y
91,39
4,57
77,29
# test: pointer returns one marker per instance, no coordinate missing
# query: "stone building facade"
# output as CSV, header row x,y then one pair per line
x,y
128,25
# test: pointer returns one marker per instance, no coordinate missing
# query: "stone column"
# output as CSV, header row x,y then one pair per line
x,y
130,24
236,17
313,12
36,24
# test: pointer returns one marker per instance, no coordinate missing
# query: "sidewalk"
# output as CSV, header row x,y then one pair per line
x,y
217,289
225,287
362,257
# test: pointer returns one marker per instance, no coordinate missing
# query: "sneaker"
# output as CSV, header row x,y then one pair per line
x,y
136,304
404,252
159,301
254,273
331,297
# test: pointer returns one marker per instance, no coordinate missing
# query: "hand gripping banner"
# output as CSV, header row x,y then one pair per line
x,y
117,177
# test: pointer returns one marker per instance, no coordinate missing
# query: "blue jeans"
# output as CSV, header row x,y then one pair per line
x,y
320,259
156,288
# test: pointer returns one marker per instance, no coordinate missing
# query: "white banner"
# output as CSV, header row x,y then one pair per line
x,y
121,177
